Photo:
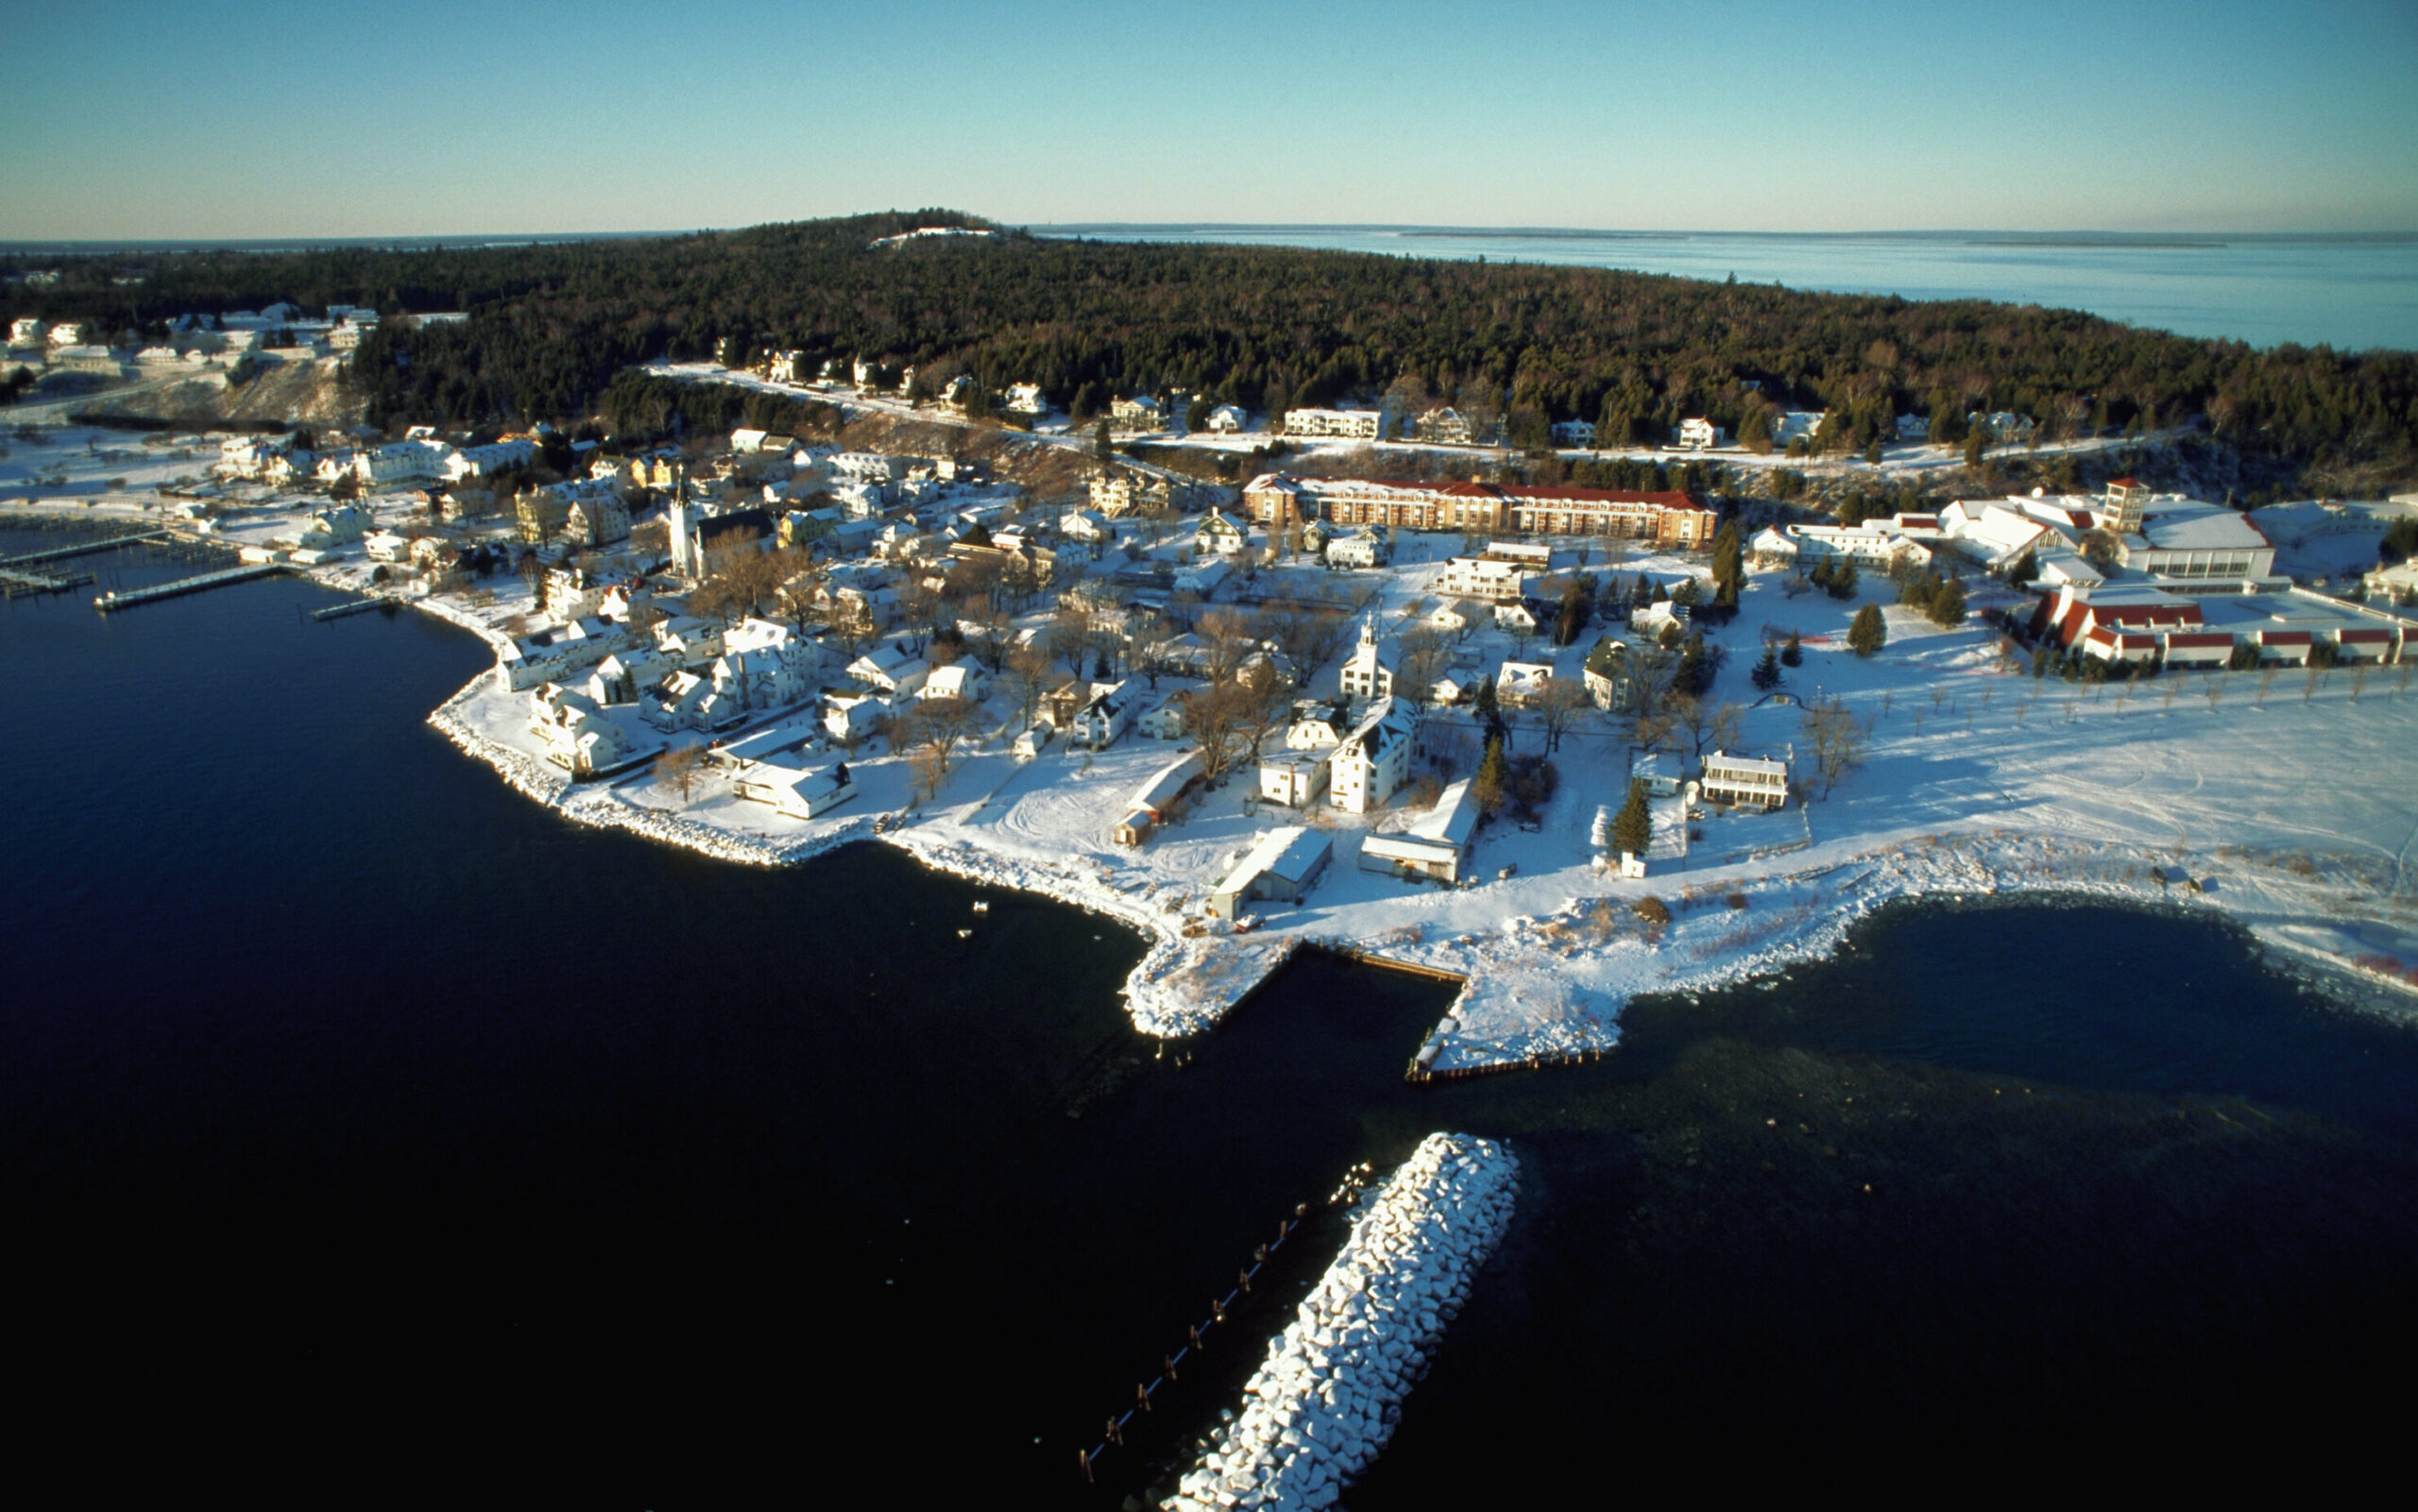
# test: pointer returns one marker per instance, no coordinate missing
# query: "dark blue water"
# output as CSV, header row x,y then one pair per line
x,y
343,1090
2352,292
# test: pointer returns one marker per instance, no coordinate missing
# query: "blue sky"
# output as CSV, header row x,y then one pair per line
x,y
210,119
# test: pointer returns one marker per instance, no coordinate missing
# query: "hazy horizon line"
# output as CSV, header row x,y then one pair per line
x,y
418,240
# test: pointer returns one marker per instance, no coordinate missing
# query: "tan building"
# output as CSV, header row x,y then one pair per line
x,y
1669,517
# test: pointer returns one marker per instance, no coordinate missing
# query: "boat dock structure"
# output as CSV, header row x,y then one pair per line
x,y
13,582
99,543
127,597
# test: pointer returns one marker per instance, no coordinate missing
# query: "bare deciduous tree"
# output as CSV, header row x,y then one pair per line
x,y
678,767
1559,703
1216,716
1424,655
932,729
1026,673
1833,739
1265,698
1230,635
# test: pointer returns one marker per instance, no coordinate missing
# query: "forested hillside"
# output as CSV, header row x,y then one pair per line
x,y
1269,327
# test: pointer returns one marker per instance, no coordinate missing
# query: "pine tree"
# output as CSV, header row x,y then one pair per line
x,y
1947,606
1633,826
1696,669
1868,632
1843,581
1755,431
1791,651
1766,674
1494,773
1728,563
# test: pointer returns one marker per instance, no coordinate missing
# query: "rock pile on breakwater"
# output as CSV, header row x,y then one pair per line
x,y
1317,1413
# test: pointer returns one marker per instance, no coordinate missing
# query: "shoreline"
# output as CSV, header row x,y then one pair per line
x,y
1185,985
1548,985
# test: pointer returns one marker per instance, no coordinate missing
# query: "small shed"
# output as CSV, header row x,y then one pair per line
x,y
1155,799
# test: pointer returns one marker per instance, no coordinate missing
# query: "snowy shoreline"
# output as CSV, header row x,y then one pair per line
x,y
1520,1000
1319,1412
1547,962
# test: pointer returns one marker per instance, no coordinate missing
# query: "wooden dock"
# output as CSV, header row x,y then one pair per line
x,y
129,597
13,583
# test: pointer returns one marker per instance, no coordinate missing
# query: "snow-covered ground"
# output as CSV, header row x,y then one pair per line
x,y
2288,798
1317,1413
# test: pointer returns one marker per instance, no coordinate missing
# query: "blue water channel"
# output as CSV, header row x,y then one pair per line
x,y
345,1091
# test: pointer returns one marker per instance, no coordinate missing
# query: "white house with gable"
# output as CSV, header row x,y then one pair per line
x,y
1374,760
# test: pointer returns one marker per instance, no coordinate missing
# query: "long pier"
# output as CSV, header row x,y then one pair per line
x,y
102,543
129,597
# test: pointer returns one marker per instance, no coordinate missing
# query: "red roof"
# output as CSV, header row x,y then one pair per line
x,y
2284,638
2151,613
2369,634
2124,483
2213,637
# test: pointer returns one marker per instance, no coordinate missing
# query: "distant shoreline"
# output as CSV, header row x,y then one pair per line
x,y
1544,234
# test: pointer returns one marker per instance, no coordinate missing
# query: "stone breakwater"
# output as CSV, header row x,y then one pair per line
x,y
1317,1413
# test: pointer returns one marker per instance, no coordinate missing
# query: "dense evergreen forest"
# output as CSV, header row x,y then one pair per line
x,y
1267,327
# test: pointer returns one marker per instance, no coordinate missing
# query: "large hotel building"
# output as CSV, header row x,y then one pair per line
x,y
1668,518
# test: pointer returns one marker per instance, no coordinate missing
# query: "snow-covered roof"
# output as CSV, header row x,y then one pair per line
x,y
2195,526
1455,817
1288,851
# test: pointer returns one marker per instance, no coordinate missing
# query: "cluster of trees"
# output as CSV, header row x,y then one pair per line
x,y
1524,782
2399,541
1937,596
1267,328
1835,576
642,405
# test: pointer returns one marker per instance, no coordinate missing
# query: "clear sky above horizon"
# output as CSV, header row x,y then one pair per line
x,y
276,119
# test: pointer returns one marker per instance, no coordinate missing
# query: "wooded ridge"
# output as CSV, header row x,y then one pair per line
x,y
1266,328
